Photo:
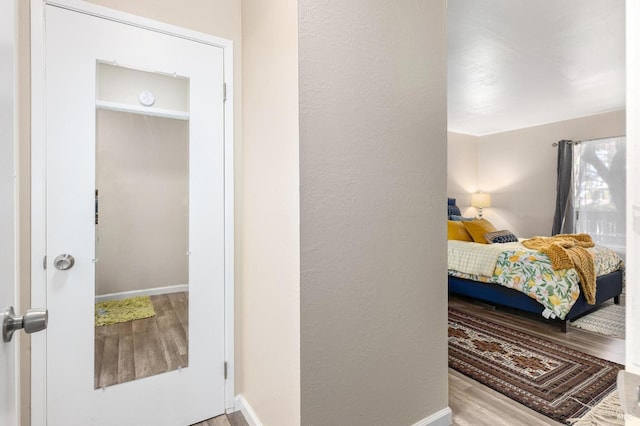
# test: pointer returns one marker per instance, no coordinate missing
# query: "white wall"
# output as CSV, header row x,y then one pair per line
x,y
518,168
123,85
270,300
142,175
373,178
462,167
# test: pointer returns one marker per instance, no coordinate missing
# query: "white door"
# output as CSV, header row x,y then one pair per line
x,y
632,341
81,52
8,350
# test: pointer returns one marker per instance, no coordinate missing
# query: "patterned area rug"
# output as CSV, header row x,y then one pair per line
x,y
608,320
115,311
551,379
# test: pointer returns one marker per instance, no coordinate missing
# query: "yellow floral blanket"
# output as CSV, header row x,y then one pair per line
x,y
530,271
570,251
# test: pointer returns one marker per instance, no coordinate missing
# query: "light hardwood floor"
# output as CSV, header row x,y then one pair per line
x,y
142,348
234,419
474,404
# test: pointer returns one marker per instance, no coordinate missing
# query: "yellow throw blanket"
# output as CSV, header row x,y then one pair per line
x,y
569,251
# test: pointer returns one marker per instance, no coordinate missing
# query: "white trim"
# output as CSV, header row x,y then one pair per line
x,y
136,109
9,134
16,205
250,416
38,174
229,228
145,292
440,418
38,212
137,21
632,296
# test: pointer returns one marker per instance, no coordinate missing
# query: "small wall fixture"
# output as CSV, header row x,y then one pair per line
x,y
146,98
479,200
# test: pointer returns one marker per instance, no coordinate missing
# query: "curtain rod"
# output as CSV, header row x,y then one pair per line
x,y
588,140
569,142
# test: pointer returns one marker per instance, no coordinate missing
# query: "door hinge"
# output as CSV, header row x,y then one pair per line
x,y
225,370
44,263
224,92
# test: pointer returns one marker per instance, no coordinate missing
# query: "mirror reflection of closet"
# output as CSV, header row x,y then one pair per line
x,y
142,224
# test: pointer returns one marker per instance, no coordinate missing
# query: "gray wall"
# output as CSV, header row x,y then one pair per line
x,y
518,168
462,168
373,180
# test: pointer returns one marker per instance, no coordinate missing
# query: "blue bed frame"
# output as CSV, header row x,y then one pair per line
x,y
607,287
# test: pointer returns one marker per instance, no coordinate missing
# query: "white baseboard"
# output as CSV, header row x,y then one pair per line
x,y
246,410
441,418
146,292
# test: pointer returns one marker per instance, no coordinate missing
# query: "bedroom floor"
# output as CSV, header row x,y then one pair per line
x,y
475,404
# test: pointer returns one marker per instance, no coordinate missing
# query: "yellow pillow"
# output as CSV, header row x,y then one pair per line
x,y
457,231
477,229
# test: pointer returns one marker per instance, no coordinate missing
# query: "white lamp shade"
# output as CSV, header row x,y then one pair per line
x,y
480,199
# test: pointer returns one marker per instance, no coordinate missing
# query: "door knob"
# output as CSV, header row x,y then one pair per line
x,y
33,320
64,262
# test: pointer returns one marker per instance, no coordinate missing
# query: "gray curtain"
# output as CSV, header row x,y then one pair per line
x,y
563,217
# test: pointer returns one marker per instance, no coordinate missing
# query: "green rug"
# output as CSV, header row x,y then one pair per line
x,y
115,311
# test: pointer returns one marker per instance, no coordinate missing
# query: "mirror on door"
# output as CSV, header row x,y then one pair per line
x,y
142,224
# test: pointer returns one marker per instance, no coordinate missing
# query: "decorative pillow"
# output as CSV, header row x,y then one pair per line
x,y
453,211
499,237
457,231
459,218
477,229
451,201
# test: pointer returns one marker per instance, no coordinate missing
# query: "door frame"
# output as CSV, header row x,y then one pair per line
x,y
10,353
38,183
632,37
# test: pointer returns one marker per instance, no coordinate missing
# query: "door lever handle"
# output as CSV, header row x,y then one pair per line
x,y
64,262
33,320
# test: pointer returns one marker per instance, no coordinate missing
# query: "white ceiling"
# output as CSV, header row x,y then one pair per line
x,y
519,63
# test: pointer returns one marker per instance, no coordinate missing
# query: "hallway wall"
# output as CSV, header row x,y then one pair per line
x,y
271,296
373,144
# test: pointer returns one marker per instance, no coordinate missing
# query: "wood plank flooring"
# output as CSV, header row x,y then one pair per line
x,y
142,348
233,419
136,349
123,352
474,404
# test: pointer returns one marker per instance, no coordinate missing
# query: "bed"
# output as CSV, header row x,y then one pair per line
x,y
509,274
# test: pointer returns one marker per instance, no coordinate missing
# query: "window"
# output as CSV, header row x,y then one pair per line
x,y
599,191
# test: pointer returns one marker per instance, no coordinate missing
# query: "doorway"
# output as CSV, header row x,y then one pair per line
x,y
524,208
